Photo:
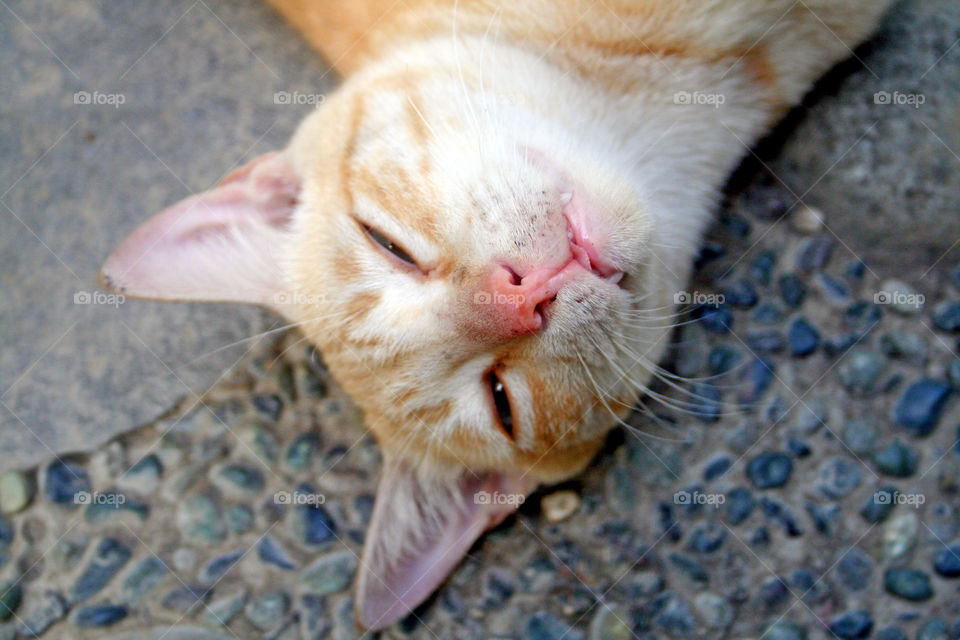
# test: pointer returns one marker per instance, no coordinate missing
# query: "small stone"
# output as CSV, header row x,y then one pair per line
x,y
807,220
802,337
761,269
114,507
946,562
315,621
498,588
225,608
741,294
199,519
852,625
705,402
186,599
272,553
261,443
16,491
739,504
717,466
861,318
879,505
216,568
906,346
330,573
238,480
560,505
755,379
783,630
302,452
673,614
239,518
715,611
854,570
814,253
268,405
707,537
900,534
11,595
946,316
792,290
768,313
798,448
724,358
897,459
769,470
64,480
834,290
313,525
838,476
773,591
184,559
909,584
6,533
693,569
98,616
765,341
781,513
143,578
860,371
108,558
143,477
935,629
608,625
44,611
265,610
860,436
919,408
718,320
891,633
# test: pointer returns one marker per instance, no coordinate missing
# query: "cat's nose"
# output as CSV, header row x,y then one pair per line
x,y
512,304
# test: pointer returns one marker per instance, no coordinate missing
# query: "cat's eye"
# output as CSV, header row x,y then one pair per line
x,y
388,244
501,403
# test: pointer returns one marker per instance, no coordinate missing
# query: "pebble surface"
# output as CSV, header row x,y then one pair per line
x,y
812,460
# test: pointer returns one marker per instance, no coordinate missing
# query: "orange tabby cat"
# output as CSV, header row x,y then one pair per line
x,y
484,227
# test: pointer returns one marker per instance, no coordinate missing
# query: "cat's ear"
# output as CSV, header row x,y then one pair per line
x,y
419,531
219,245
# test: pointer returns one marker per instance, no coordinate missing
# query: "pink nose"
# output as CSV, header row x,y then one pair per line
x,y
514,304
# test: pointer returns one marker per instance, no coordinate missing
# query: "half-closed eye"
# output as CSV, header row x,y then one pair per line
x,y
388,245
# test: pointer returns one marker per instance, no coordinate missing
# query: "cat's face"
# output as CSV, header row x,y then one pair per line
x,y
483,279
485,293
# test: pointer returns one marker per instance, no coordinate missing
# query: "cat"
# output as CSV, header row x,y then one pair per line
x,y
484,228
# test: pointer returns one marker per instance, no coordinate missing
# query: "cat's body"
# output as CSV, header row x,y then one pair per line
x,y
484,229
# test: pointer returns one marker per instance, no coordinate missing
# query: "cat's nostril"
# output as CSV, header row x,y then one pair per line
x,y
515,278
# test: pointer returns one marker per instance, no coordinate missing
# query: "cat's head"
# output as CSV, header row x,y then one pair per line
x,y
477,276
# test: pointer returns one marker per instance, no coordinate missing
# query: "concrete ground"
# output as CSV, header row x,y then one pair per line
x,y
180,92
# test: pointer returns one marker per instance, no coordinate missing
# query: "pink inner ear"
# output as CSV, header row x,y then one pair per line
x,y
219,245
419,533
